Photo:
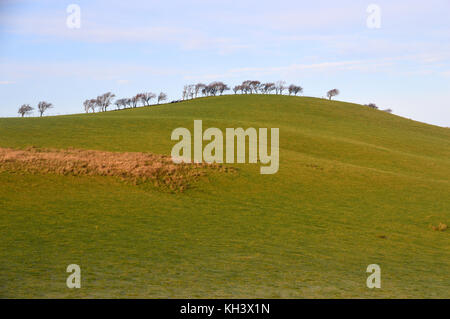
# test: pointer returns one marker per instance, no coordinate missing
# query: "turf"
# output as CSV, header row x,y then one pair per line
x,y
356,186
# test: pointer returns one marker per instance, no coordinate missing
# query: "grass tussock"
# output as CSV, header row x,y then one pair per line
x,y
132,167
440,227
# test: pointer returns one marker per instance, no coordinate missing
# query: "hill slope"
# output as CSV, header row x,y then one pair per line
x,y
355,187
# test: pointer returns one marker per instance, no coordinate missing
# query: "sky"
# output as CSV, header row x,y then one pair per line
x,y
395,54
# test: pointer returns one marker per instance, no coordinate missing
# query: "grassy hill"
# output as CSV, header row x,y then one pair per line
x,y
356,186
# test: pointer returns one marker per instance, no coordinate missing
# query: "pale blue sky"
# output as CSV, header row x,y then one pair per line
x,y
130,46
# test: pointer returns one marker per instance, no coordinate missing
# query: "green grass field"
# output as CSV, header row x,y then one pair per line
x,y
356,186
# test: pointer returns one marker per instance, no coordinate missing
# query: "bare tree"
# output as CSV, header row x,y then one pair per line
x,y
188,91
237,88
89,105
294,89
372,105
191,91
199,87
246,87
105,100
255,86
139,99
98,104
291,88
221,87
93,103
162,97
86,106
118,103
43,106
135,100
25,109
279,87
266,88
205,90
121,102
211,89
146,97
184,92
332,93
128,102
125,102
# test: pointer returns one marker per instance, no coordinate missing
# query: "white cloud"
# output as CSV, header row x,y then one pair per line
x,y
358,65
93,71
186,38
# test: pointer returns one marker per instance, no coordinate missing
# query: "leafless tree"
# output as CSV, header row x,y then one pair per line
x,y
93,103
139,99
146,97
221,87
291,88
98,104
205,90
216,87
332,93
263,88
162,97
199,87
89,105
266,88
294,89
188,91
118,103
135,100
255,86
191,91
25,109
212,89
121,102
246,87
128,102
237,88
43,106
280,86
105,100
184,95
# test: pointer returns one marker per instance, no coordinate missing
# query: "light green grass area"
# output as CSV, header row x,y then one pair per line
x,y
356,186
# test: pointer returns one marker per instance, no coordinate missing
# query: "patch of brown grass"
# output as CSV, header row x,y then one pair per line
x,y
134,167
440,227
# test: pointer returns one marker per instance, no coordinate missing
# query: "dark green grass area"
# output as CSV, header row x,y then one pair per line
x,y
356,186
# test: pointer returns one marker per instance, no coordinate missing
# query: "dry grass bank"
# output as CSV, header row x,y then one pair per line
x,y
134,167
